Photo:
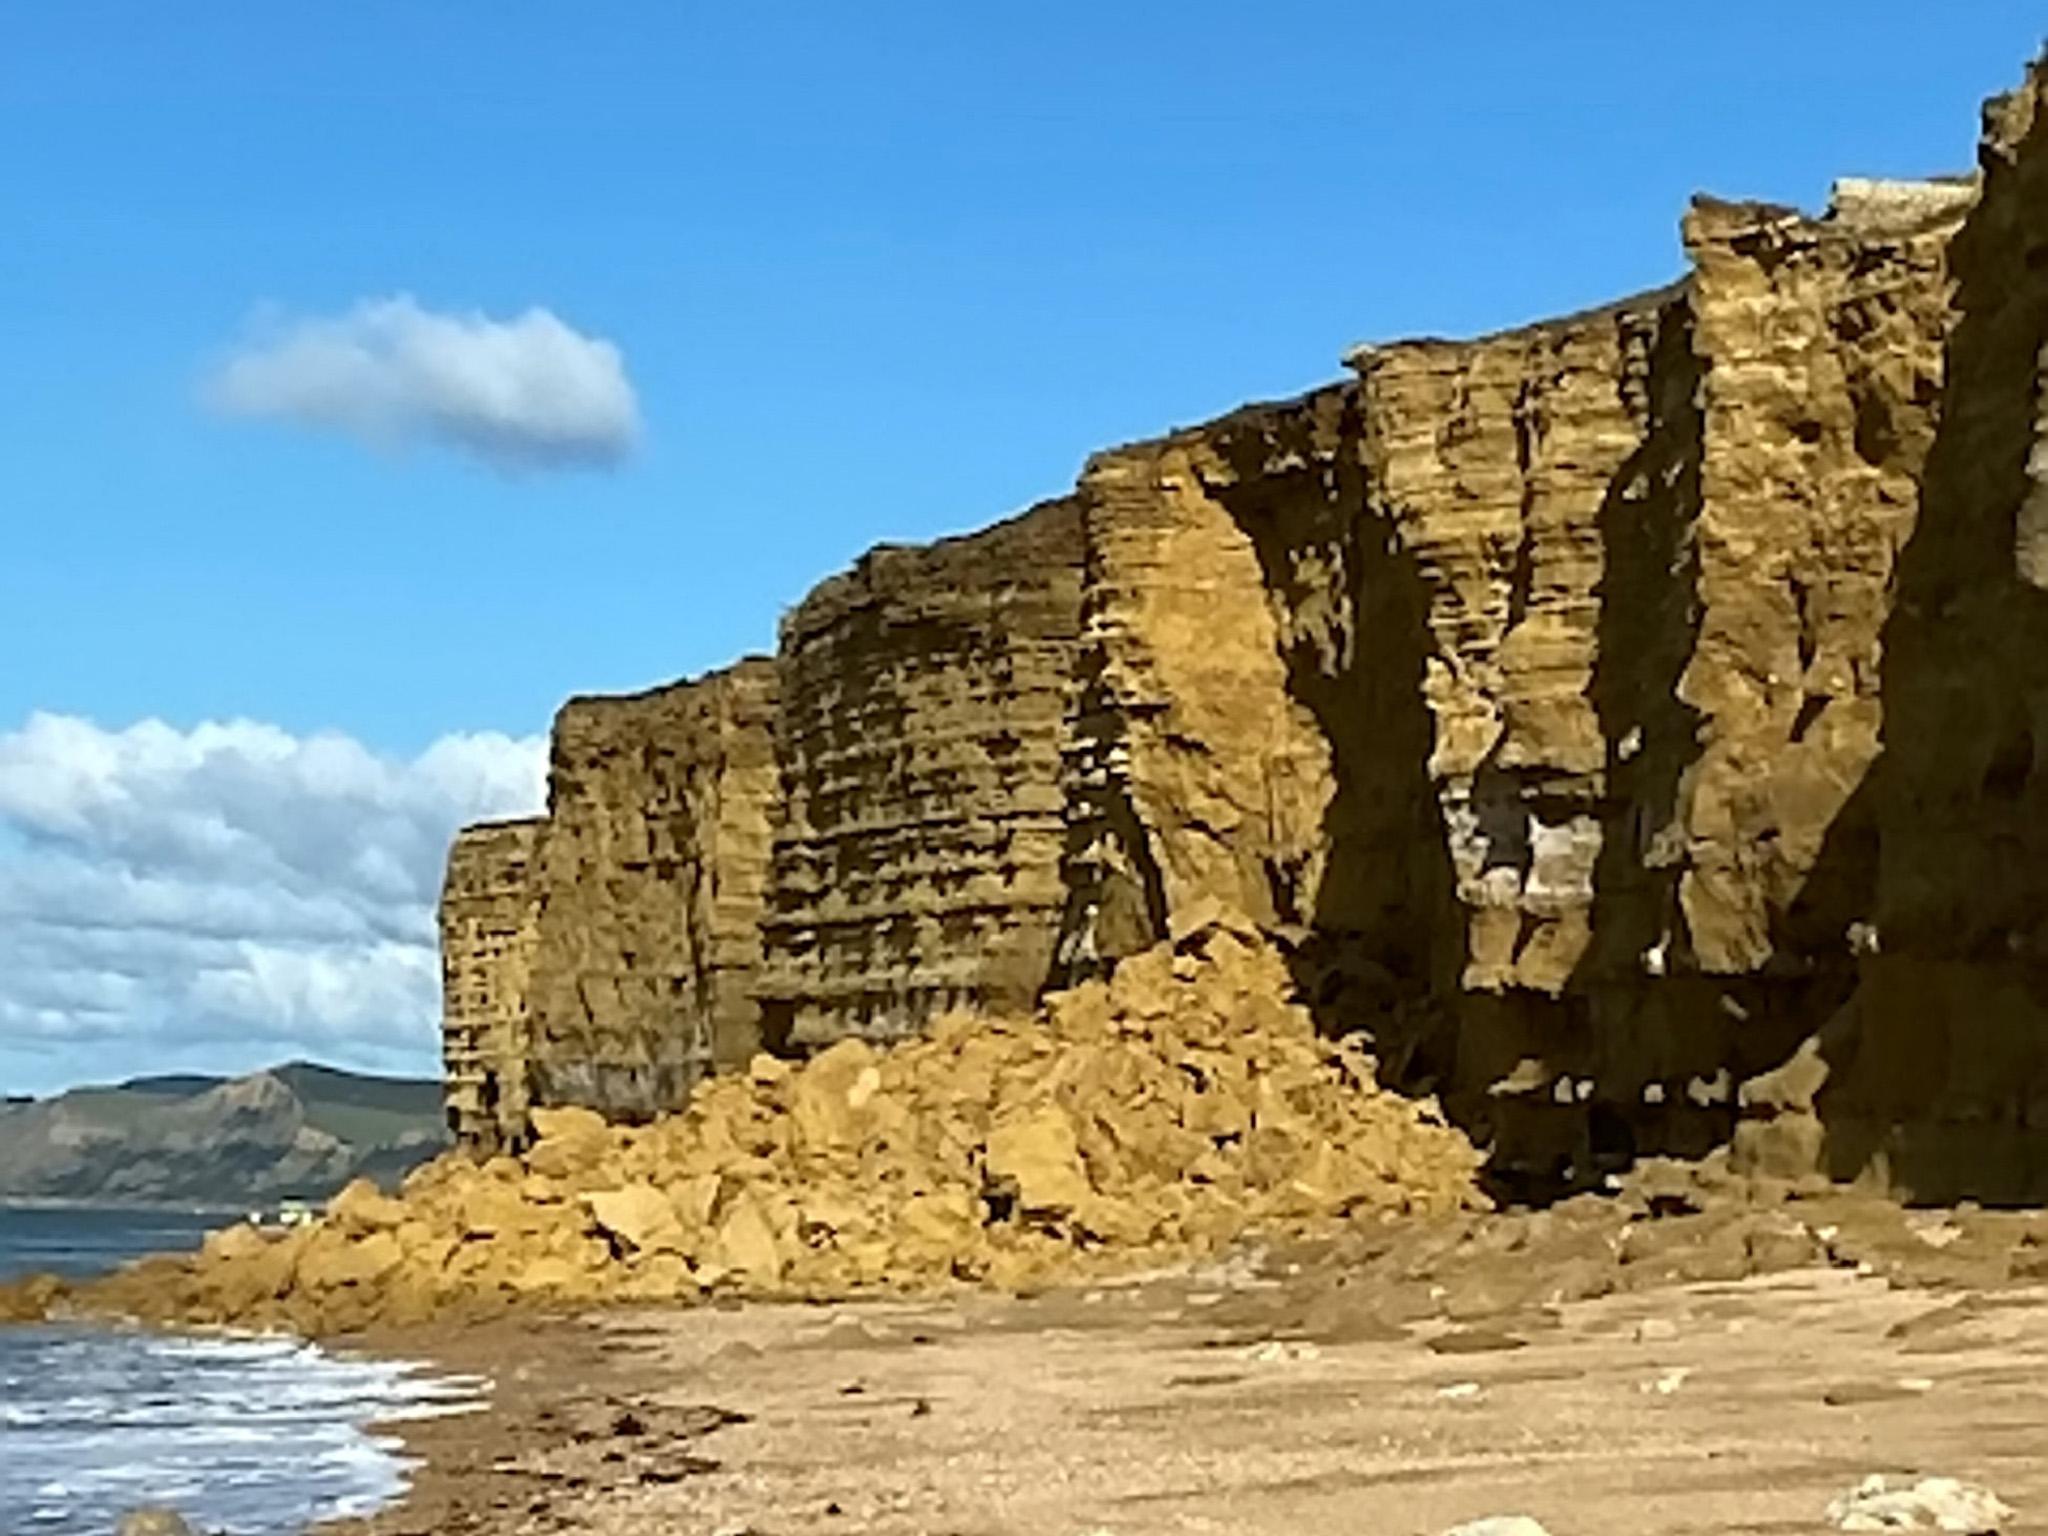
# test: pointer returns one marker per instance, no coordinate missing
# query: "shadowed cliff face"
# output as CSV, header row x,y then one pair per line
x,y
1370,907
1254,737
1594,712
1520,684
1932,1078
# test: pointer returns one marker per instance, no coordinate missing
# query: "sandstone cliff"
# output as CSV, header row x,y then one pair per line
x,y
1931,1075
1626,720
490,906
917,862
651,879
1520,679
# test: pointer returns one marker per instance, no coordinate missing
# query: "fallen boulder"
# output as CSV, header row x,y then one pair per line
x,y
1931,1504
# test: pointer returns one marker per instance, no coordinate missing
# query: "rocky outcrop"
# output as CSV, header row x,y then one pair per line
x,y
1592,711
1822,345
490,908
917,861
651,879
1488,465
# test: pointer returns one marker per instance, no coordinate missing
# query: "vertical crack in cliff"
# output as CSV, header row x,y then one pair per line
x,y
1522,571
1115,893
1355,640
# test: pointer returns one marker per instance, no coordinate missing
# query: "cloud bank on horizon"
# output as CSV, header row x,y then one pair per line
x,y
529,393
228,896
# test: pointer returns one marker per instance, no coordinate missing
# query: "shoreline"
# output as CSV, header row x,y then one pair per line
x,y
202,1440
732,1412
1735,1357
225,1211
1234,1395
447,1456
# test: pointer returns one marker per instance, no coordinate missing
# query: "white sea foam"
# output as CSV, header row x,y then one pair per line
x,y
249,1435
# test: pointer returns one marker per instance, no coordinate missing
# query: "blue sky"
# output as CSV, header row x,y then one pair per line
x,y
873,272
878,272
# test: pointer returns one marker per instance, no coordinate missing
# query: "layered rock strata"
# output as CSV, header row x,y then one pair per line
x,y
490,907
917,862
1196,779
1522,678
1822,349
652,878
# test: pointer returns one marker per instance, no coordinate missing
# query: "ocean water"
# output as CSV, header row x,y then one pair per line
x,y
258,1436
88,1240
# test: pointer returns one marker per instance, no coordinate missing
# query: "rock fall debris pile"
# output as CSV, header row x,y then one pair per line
x,y
1160,1114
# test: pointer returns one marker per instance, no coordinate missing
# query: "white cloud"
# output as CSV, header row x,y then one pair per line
x,y
525,393
228,896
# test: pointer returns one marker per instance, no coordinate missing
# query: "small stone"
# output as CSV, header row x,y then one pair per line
x,y
1281,1352
363,1207
153,1520
1931,1504
1475,1341
1037,1155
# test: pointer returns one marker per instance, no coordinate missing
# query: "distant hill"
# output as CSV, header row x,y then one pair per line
x,y
298,1131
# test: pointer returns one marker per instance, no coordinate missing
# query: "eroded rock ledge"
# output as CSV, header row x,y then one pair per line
x,y
1626,722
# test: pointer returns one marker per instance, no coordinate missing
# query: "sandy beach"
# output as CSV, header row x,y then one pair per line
x,y
1399,1381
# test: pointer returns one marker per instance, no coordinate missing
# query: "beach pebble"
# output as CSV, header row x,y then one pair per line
x,y
1280,1352
153,1520
1499,1525
1932,1504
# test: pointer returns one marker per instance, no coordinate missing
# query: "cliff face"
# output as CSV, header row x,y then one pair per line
x,y
924,698
490,909
1823,351
1195,778
1932,1075
1628,720
1521,680
1351,675
651,880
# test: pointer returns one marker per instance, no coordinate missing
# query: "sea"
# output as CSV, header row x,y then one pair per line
x,y
245,1434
